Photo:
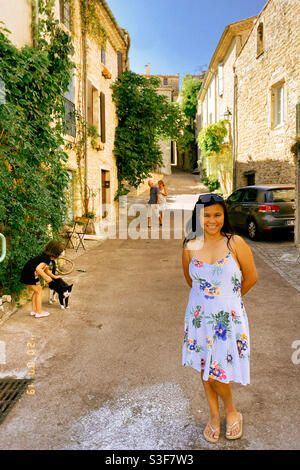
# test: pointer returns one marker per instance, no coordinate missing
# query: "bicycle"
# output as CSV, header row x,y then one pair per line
x,y
64,265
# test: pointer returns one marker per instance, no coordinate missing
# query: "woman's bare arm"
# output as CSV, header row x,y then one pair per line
x,y
185,266
246,261
41,272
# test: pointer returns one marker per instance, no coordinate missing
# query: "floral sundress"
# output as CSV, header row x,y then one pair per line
x,y
216,334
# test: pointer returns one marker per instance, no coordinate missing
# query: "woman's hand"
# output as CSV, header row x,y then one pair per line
x,y
246,261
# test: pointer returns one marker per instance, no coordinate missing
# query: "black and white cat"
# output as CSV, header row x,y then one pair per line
x,y
62,289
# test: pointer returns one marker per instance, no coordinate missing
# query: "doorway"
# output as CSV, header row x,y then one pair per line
x,y
105,192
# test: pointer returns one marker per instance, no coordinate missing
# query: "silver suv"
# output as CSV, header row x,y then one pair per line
x,y
262,208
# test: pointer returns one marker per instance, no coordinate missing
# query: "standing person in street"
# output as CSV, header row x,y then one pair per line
x,y
153,202
39,266
162,200
220,269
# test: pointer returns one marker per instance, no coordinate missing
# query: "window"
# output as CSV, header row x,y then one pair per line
x,y
70,109
70,196
298,119
103,56
280,195
65,13
102,118
260,39
92,106
120,63
165,81
250,177
250,195
236,196
277,105
220,78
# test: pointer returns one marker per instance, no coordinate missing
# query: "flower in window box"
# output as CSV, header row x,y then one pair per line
x,y
106,73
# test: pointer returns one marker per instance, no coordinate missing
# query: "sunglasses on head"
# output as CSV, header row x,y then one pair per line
x,y
204,198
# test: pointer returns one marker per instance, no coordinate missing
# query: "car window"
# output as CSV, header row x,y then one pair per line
x,y
250,195
236,196
280,195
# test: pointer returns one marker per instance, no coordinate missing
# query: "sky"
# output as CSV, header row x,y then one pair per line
x,y
177,36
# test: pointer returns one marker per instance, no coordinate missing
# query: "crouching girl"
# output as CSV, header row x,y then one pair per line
x,y
39,266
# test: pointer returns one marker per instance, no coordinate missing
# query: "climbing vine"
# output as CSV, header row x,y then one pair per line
x,y
187,141
216,160
32,160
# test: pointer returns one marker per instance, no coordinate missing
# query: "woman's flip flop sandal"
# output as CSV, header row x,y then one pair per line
x,y
229,427
210,438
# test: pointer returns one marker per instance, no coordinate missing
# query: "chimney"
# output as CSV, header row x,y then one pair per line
x,y
147,69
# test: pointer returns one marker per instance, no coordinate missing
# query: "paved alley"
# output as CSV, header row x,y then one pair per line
x,y
108,374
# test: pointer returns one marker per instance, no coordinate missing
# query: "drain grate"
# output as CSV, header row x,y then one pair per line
x,y
10,391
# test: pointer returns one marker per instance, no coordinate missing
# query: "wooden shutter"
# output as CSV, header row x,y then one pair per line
x,y
120,63
298,119
102,116
89,103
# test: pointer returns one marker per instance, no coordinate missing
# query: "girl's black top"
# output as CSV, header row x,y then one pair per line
x,y
29,275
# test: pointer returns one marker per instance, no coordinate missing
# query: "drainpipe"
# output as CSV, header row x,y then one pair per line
x,y
35,22
84,103
3,251
234,130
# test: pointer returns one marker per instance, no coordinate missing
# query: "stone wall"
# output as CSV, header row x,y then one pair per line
x,y
261,145
101,162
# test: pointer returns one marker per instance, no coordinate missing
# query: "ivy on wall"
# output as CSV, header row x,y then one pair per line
x,y
32,161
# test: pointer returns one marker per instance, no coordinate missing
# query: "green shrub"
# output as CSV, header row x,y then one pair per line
x,y
32,161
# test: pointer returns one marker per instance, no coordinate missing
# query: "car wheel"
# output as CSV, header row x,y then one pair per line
x,y
252,230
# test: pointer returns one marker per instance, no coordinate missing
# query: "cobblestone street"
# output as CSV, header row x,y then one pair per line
x,y
283,257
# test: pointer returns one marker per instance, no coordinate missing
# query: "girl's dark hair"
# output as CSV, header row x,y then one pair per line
x,y
53,249
193,227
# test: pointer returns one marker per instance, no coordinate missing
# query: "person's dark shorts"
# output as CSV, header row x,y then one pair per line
x,y
29,278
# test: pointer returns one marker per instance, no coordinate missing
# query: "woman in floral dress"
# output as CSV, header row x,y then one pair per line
x,y
220,269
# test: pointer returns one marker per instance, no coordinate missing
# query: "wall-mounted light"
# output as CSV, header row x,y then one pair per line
x,y
227,114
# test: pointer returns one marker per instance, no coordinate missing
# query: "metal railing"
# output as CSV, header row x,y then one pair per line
x,y
3,247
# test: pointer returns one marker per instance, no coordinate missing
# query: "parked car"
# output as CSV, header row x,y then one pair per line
x,y
262,208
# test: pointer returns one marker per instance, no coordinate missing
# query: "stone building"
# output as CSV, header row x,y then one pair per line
x,y
169,87
216,96
267,91
99,59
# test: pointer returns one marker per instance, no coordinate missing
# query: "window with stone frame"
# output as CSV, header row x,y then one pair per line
x,y
103,56
120,62
69,104
260,39
277,104
93,103
220,78
65,13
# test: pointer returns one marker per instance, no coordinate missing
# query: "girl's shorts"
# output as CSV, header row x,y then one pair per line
x,y
30,279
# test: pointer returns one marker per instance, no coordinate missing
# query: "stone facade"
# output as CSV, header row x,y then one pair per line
x,y
267,74
98,168
104,61
216,97
17,18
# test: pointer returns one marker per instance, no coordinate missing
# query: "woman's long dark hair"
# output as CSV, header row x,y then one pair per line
x,y
193,227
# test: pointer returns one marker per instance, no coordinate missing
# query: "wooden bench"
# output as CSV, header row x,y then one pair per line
x,y
78,232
